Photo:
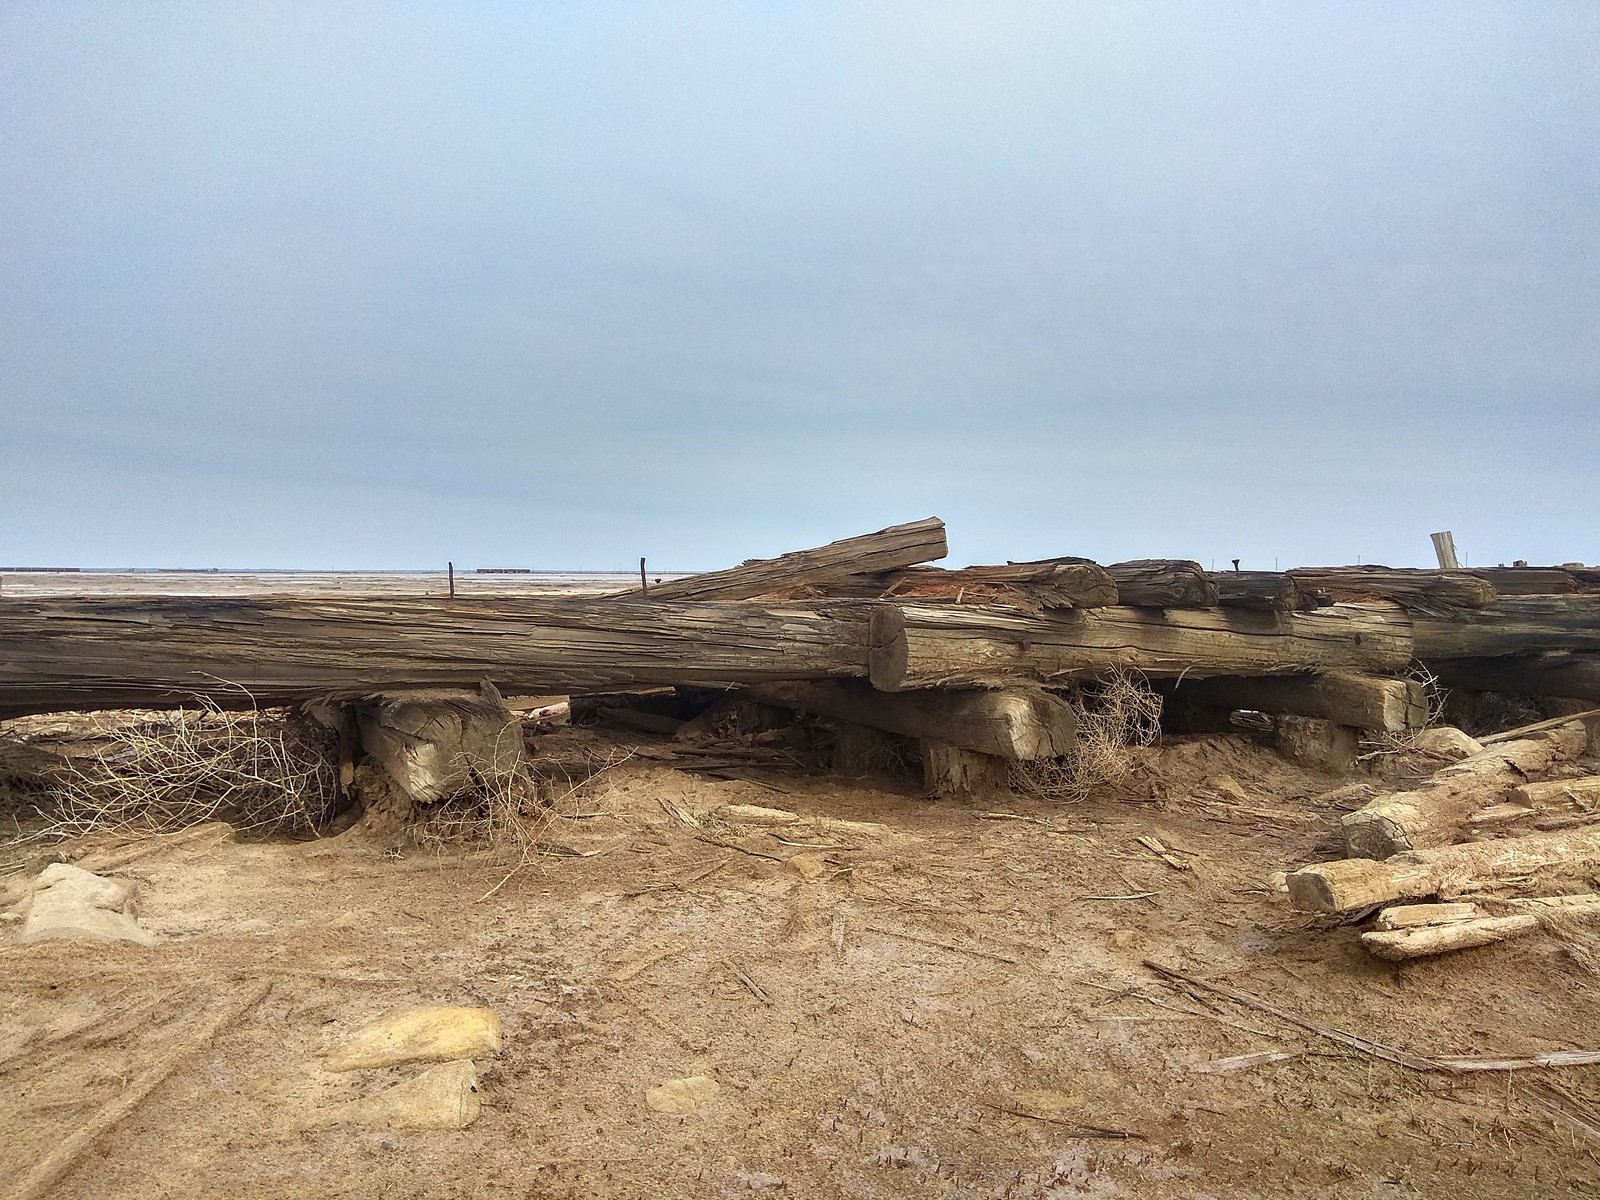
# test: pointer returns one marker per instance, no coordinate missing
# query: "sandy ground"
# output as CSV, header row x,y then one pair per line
x,y
882,1030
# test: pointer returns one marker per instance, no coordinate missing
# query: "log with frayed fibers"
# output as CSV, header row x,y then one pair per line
x,y
1437,815
1441,592
164,652
1425,940
1163,583
885,550
1354,883
929,645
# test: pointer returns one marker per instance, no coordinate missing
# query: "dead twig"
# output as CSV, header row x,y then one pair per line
x,y
925,940
1080,1130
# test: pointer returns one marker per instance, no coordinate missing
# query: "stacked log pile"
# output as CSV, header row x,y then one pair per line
x,y
1482,827
974,663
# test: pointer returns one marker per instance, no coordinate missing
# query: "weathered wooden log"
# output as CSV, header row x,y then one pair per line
x,y
1013,724
927,645
1515,625
1437,815
1264,591
1163,583
1441,592
1584,792
1555,673
1448,871
1530,581
886,550
1032,587
1425,940
951,773
163,652
1360,701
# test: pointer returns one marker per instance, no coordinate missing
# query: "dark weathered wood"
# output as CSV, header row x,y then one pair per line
x,y
1530,581
1437,815
1555,673
1163,583
1361,701
1014,724
1355,883
1515,625
886,550
1032,587
927,645
1265,591
1440,592
163,652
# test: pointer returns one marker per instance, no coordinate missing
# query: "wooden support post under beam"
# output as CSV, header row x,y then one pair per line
x,y
951,773
1013,724
1361,701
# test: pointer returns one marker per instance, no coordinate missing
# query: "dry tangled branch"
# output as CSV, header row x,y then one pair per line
x,y
1378,745
262,771
1115,715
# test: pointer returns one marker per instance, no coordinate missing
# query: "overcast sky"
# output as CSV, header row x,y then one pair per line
x,y
558,285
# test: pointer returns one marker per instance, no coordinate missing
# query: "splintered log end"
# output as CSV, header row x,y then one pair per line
x,y
888,653
1372,834
1426,940
1355,883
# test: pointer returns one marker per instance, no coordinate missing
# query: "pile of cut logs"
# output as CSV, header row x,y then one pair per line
x,y
1480,827
970,661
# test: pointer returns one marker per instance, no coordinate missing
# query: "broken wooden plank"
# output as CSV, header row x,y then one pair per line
x,y
887,549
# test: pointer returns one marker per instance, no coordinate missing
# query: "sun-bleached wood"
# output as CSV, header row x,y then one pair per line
x,y
1448,871
1411,916
1033,586
897,546
918,645
1437,815
1426,940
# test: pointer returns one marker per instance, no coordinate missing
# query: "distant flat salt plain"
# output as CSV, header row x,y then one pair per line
x,y
62,584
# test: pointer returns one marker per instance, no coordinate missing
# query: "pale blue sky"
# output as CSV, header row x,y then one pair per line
x,y
558,285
